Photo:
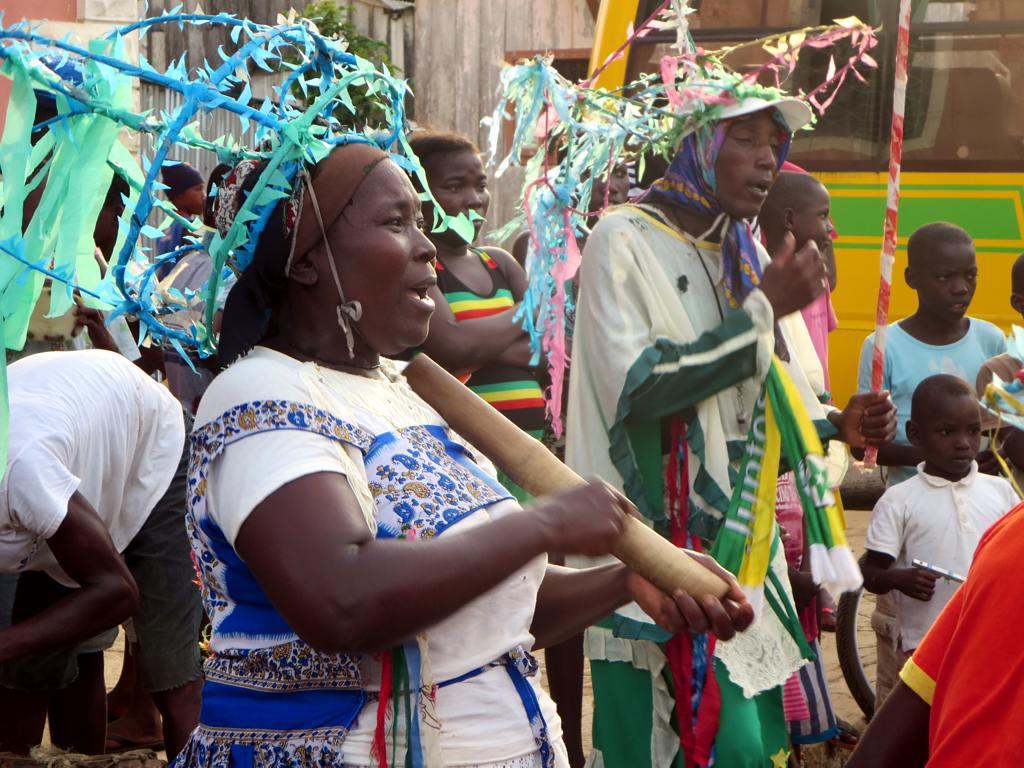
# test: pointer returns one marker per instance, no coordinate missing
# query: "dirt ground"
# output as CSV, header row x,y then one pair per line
x,y
845,707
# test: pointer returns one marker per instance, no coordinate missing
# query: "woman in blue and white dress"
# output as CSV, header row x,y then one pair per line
x,y
373,590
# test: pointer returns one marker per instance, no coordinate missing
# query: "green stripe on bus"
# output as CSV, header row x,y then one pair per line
x,y
984,218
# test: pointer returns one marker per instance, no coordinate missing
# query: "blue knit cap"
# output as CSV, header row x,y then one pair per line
x,y
179,178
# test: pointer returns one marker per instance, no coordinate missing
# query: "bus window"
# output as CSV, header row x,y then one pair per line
x,y
778,15
725,14
966,100
965,94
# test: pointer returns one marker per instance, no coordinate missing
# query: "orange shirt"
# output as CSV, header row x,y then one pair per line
x,y
970,665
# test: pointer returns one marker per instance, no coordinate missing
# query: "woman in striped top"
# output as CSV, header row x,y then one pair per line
x,y
473,331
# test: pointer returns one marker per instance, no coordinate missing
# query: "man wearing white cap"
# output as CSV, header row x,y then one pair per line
x,y
680,312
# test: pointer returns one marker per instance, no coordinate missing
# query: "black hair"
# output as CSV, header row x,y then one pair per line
x,y
926,239
250,308
655,165
217,176
427,144
116,192
934,389
210,202
1017,275
790,190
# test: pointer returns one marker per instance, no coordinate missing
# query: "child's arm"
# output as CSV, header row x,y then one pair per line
x,y
895,455
880,577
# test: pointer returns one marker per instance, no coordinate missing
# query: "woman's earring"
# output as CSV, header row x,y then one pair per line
x,y
349,312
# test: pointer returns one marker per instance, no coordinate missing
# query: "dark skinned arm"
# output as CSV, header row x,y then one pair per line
x,y
803,586
800,579
308,546
895,455
469,344
106,597
868,419
518,355
829,255
521,248
571,600
898,734
151,358
880,577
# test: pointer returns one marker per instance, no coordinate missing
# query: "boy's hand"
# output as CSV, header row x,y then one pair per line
x,y
914,582
868,419
794,278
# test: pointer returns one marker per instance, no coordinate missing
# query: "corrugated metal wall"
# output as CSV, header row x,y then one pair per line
x,y
198,43
451,50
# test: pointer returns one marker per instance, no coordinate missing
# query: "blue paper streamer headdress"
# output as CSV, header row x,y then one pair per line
x,y
75,154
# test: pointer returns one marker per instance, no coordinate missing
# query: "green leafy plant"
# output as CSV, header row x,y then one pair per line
x,y
334,20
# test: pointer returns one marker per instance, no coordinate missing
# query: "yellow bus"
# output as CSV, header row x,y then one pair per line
x,y
964,137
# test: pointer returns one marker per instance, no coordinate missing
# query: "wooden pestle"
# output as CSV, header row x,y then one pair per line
x,y
539,472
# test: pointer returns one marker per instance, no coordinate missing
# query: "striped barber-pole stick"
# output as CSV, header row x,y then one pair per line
x,y
899,100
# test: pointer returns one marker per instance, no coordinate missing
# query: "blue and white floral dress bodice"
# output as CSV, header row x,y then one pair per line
x,y
272,700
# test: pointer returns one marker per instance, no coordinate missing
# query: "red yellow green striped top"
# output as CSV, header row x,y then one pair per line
x,y
513,391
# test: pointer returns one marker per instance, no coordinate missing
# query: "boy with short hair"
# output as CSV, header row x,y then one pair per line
x,y
1005,366
799,204
186,190
938,338
938,516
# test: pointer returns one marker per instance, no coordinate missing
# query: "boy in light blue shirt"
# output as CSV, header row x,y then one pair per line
x,y
937,338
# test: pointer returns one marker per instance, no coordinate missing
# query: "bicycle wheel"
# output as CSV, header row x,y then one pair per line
x,y
856,647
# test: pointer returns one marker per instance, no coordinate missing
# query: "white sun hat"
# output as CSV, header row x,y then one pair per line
x,y
795,112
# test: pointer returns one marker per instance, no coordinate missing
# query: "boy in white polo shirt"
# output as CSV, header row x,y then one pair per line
x,y
937,516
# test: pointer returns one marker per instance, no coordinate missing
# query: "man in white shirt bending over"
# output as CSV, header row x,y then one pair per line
x,y
88,519
937,516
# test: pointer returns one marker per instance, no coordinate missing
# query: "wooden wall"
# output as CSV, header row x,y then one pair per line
x,y
460,49
167,42
451,50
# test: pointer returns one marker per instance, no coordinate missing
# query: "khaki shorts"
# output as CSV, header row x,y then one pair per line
x,y
891,654
166,622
